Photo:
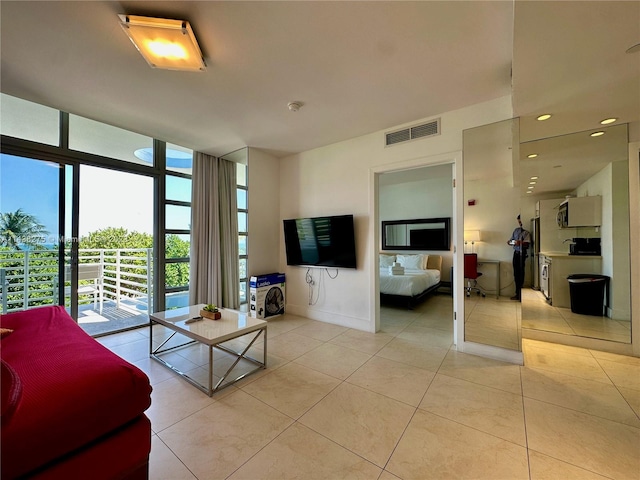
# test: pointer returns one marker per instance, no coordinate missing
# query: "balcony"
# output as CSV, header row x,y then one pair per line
x,y
118,298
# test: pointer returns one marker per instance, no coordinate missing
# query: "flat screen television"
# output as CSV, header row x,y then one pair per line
x,y
321,241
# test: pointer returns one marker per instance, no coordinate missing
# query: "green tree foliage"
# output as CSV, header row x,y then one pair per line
x,y
20,228
177,274
116,238
112,238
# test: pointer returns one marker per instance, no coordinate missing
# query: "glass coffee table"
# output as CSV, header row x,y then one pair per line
x,y
212,333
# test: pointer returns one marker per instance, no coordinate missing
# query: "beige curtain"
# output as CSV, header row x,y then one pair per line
x,y
214,276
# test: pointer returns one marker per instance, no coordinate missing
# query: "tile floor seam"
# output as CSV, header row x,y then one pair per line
x,y
302,414
393,450
341,446
563,460
583,412
424,410
190,414
176,455
260,449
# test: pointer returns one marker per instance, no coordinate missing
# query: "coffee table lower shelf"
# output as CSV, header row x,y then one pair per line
x,y
211,388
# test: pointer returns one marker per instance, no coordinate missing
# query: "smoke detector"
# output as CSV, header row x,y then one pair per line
x,y
294,106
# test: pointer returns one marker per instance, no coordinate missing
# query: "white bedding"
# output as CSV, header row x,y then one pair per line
x,y
413,282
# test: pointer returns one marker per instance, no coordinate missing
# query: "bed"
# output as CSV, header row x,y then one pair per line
x,y
420,278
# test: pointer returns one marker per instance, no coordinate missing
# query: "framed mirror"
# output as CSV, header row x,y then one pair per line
x,y
417,234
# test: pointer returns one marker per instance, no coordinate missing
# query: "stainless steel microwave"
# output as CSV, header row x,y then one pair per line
x,y
563,215
580,212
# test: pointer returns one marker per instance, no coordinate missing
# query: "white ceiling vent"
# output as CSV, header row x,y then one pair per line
x,y
417,131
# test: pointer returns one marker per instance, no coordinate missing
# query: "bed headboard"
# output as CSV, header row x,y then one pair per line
x,y
434,262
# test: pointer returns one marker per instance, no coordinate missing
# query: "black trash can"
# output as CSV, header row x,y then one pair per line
x,y
587,293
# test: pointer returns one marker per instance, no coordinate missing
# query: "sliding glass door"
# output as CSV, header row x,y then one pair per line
x,y
114,249
30,227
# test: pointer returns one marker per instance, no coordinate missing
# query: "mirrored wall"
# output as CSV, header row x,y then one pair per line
x,y
572,195
578,212
491,205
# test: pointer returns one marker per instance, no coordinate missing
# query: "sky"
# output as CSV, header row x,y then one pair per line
x,y
107,198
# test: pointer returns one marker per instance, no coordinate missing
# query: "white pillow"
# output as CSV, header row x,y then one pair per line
x,y
412,262
387,260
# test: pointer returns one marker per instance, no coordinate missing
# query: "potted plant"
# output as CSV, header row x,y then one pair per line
x,y
210,311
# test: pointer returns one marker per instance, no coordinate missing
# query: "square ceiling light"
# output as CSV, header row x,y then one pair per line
x,y
164,43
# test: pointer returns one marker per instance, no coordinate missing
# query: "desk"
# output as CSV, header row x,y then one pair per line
x,y
485,261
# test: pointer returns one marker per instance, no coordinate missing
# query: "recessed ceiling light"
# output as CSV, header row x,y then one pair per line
x,y
529,191
530,187
532,183
164,43
597,134
635,48
607,121
545,116
532,155
534,178
294,106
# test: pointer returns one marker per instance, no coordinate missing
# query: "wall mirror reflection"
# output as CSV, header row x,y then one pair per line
x,y
416,234
575,198
491,205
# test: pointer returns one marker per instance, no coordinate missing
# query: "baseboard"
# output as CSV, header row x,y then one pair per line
x,y
363,324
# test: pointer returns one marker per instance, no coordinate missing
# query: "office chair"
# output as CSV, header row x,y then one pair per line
x,y
471,273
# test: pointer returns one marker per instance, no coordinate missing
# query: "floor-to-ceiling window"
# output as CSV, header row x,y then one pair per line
x,y
177,226
123,202
243,234
104,181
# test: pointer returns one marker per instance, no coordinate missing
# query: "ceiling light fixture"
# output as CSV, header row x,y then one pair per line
x,y
597,134
545,116
532,183
294,106
530,187
532,155
164,43
534,178
607,121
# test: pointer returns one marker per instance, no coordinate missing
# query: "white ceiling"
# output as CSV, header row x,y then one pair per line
x,y
358,67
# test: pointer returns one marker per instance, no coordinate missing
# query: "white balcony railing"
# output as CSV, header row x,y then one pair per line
x,y
30,278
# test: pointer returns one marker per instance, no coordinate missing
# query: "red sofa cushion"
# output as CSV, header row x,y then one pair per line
x,y
10,390
74,390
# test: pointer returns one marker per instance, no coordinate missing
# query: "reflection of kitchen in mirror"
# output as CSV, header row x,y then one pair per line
x,y
491,205
575,200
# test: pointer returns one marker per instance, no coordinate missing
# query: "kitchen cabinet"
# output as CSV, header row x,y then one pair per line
x,y
559,267
582,211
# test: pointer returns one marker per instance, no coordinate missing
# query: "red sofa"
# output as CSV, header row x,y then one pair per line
x,y
71,408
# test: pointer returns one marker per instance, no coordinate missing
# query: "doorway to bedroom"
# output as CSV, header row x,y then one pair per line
x,y
417,312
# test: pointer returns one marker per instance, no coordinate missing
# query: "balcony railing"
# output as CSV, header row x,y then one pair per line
x,y
30,278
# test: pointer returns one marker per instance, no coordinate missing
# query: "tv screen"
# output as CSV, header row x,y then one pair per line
x,y
320,241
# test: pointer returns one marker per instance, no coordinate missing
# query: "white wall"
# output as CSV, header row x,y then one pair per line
x,y
494,215
264,213
335,179
612,183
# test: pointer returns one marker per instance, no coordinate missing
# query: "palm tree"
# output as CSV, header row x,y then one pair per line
x,y
19,228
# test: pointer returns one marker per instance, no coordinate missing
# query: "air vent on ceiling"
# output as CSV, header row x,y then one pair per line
x,y
417,131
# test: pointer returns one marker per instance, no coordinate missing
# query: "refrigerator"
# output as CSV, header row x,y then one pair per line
x,y
535,253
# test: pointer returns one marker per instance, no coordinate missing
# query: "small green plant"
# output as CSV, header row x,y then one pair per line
x,y
211,308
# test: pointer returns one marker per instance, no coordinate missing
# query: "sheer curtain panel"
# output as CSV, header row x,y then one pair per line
x,y
214,276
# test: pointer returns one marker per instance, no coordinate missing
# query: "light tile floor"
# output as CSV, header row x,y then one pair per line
x,y
537,314
337,403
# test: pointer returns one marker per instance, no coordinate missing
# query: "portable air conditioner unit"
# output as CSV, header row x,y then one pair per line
x,y
266,295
